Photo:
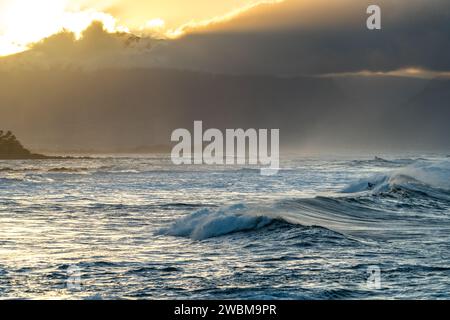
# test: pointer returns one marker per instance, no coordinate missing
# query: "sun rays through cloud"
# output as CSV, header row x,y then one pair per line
x,y
24,22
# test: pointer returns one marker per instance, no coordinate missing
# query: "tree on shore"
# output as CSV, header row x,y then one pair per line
x,y
9,145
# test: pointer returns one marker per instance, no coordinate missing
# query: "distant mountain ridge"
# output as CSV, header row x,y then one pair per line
x,y
114,110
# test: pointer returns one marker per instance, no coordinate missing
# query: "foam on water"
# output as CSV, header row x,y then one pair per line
x,y
361,213
432,175
208,223
143,228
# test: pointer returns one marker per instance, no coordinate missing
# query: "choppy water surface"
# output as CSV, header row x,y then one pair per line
x,y
141,228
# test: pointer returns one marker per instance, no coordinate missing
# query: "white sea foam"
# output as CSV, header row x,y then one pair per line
x,y
434,175
206,223
337,213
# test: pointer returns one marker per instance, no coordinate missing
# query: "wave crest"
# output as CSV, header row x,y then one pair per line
x,y
364,212
417,177
206,223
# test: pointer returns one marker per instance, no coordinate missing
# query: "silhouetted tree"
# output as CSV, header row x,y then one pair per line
x,y
10,146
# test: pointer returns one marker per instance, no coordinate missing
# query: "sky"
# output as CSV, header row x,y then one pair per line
x,y
129,72
295,36
23,22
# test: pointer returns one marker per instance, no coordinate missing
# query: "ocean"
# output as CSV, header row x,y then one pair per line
x,y
139,227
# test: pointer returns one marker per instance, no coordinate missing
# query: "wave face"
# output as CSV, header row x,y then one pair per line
x,y
363,208
421,175
205,223
144,228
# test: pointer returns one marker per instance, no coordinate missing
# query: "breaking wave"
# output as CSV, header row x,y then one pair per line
x,y
430,179
363,209
208,223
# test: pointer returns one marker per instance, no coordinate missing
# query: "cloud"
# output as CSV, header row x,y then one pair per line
x,y
297,37
196,26
287,38
24,22
95,48
402,73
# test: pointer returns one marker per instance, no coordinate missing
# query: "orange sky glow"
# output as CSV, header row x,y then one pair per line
x,y
23,22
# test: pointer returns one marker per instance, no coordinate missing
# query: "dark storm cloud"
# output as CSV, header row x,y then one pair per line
x,y
295,37
414,34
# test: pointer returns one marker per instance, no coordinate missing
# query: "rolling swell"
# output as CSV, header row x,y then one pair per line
x,y
410,201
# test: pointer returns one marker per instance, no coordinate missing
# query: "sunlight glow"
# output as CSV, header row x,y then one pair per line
x,y
155,23
185,28
411,72
24,22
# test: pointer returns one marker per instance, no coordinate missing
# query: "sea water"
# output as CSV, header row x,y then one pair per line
x,y
139,227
